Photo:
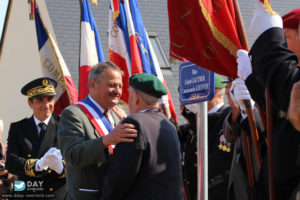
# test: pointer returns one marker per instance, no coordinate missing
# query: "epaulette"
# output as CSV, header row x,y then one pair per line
x,y
19,121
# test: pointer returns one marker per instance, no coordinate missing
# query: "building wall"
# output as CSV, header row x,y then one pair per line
x,y
65,17
19,62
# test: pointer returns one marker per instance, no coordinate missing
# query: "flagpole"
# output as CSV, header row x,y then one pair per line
x,y
80,1
270,123
5,26
249,111
269,110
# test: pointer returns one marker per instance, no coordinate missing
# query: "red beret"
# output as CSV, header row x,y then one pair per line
x,y
291,19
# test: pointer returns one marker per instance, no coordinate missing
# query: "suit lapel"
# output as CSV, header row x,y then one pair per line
x,y
31,135
49,139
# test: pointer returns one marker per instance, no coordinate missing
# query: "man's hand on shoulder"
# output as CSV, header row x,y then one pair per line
x,y
121,133
120,112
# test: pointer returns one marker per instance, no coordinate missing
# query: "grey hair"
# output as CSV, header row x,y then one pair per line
x,y
96,70
149,100
221,91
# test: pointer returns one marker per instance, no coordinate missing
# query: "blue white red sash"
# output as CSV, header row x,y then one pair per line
x,y
97,118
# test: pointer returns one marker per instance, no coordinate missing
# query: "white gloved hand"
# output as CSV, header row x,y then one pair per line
x,y
192,107
232,94
244,64
240,93
54,161
165,100
42,164
262,20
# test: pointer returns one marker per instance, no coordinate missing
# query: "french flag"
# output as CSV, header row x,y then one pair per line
x,y
90,48
54,66
130,48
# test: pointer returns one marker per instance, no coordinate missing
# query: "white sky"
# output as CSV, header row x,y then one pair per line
x,y
3,8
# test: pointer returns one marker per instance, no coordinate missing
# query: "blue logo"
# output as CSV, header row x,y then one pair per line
x,y
19,186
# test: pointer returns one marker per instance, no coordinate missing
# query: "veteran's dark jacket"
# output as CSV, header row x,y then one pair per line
x,y
149,168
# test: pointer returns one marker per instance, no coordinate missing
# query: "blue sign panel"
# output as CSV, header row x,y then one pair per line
x,y
195,83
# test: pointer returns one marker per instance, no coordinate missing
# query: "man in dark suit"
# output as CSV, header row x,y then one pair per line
x,y
219,150
277,68
148,168
32,142
86,135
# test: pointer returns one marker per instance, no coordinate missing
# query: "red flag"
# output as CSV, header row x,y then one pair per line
x,y
205,33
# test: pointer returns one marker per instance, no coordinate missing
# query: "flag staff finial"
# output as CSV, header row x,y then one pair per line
x,y
32,10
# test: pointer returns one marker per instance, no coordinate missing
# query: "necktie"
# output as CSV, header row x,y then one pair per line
x,y
106,115
42,125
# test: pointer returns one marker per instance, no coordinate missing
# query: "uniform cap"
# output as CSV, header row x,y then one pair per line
x,y
40,87
291,19
148,84
219,82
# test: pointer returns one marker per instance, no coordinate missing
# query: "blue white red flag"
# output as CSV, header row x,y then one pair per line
x,y
130,48
54,66
90,48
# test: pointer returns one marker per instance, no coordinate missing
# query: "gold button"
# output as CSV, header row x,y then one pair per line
x,y
195,165
49,171
182,163
196,153
51,189
29,155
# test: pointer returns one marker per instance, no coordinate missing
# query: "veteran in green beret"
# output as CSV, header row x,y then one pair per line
x,y
149,167
32,152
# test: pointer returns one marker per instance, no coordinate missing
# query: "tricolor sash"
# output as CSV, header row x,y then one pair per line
x,y
97,118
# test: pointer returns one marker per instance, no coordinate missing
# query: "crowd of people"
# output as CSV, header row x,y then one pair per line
x,y
97,150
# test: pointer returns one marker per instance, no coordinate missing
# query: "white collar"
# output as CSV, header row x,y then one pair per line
x,y
145,110
97,105
110,118
46,121
215,109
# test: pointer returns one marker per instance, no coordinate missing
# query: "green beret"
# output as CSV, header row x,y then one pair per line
x,y
39,87
148,83
219,82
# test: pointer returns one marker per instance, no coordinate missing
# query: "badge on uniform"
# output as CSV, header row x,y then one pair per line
x,y
224,145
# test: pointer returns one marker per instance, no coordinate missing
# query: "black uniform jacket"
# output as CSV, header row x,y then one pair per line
x,y
148,168
219,156
276,68
24,148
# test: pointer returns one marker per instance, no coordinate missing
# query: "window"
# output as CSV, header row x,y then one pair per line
x,y
157,48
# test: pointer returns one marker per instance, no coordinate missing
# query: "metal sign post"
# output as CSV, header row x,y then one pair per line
x,y
202,159
197,85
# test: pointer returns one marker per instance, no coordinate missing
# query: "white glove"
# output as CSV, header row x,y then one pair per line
x,y
192,107
262,20
239,93
164,100
54,161
244,64
42,164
